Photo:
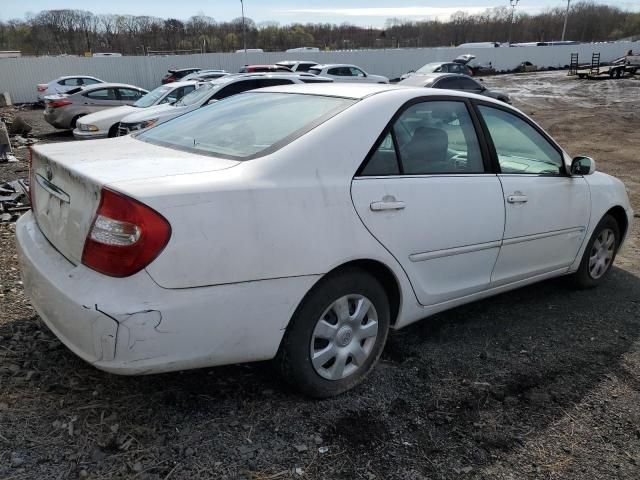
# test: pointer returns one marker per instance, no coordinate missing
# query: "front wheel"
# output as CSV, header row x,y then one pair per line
x,y
599,255
336,335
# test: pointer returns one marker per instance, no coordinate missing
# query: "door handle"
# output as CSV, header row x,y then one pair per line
x,y
519,198
390,204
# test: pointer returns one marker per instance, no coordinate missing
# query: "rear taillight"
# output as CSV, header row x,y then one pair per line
x,y
42,87
58,103
125,236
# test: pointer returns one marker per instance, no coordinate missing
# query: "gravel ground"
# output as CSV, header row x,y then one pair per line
x,y
541,382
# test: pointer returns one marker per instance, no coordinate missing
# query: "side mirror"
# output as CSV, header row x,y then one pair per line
x,y
583,166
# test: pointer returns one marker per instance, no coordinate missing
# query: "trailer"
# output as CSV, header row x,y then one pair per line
x,y
627,65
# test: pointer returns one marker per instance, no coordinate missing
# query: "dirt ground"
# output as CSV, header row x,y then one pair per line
x,y
539,383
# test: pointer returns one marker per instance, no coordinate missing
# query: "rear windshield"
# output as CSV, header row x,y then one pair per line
x,y
246,126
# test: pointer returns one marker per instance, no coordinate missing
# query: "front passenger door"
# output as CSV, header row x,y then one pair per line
x,y
547,211
425,193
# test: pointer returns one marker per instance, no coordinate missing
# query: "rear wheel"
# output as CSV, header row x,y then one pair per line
x,y
599,255
336,335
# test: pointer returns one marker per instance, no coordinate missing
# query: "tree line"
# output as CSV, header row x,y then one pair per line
x,y
54,32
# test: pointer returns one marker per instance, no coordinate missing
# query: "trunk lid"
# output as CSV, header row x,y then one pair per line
x,y
67,179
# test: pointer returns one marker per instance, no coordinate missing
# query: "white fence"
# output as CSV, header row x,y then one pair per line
x,y
19,76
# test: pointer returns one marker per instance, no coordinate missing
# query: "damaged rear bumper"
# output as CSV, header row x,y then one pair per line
x,y
132,326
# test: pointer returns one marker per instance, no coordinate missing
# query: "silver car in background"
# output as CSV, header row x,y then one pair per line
x,y
64,110
64,84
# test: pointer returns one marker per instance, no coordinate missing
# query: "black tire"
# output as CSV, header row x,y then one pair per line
x,y
294,356
113,131
74,121
583,277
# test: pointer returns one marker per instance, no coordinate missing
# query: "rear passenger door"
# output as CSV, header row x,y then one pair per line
x,y
426,193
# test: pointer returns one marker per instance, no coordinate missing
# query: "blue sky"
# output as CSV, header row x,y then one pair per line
x,y
359,12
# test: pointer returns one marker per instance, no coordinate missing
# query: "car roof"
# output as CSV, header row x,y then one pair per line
x,y
359,91
176,70
110,85
422,78
337,89
75,76
333,65
248,76
182,83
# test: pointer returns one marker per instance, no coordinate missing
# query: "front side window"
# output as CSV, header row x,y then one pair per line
x,y
430,138
90,81
246,126
519,146
356,72
129,95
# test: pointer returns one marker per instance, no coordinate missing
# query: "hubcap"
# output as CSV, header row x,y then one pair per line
x,y
344,337
602,253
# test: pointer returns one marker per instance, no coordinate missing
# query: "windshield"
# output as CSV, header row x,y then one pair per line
x,y
199,94
428,68
152,97
247,125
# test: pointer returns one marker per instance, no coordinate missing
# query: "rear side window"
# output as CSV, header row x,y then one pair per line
x,y
272,82
428,138
246,126
237,87
304,67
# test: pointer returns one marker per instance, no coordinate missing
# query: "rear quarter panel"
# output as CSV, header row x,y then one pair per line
x,y
286,214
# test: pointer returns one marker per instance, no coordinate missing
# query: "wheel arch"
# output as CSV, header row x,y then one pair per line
x,y
380,272
620,215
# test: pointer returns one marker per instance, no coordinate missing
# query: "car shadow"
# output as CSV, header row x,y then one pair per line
x,y
515,362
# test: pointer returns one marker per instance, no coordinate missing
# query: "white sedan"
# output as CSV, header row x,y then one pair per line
x,y
301,223
346,73
105,123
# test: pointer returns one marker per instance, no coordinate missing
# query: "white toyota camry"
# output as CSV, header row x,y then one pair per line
x,y
300,223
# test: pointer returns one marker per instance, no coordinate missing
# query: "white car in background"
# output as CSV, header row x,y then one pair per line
x,y
64,84
210,92
300,223
346,73
105,123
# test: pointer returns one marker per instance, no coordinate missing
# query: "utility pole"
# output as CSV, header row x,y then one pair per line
x,y
244,35
566,18
514,4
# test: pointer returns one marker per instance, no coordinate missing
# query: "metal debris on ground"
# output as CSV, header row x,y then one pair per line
x,y
14,200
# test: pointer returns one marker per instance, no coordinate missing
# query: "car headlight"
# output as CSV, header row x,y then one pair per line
x,y
145,124
88,128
